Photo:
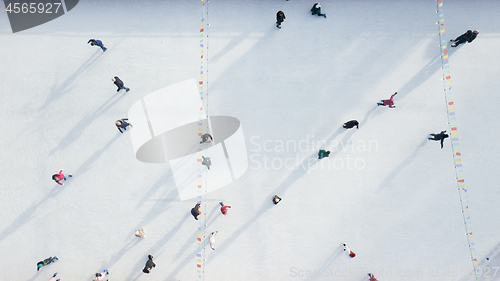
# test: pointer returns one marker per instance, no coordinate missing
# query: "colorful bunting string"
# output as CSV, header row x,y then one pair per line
x,y
457,156
200,232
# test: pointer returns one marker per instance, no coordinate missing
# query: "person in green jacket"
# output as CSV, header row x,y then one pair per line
x,y
323,153
316,10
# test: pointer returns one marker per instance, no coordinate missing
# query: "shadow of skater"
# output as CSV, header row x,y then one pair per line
x,y
335,254
84,167
78,129
401,166
64,87
28,214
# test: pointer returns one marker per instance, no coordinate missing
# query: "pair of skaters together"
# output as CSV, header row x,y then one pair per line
x,y
315,10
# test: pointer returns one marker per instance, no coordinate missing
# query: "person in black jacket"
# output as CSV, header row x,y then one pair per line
x,y
122,124
316,10
439,137
206,138
468,36
119,83
280,17
351,124
195,211
149,264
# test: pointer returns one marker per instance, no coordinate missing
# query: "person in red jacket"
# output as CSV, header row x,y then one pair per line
x,y
372,278
390,102
59,177
223,208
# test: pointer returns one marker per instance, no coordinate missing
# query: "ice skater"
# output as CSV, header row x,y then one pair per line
x,y
351,124
372,277
468,36
101,276
280,17
119,83
276,199
195,211
350,254
53,278
212,240
206,138
94,42
122,124
316,10
140,233
323,153
439,137
149,265
206,161
390,102
45,262
60,177
223,208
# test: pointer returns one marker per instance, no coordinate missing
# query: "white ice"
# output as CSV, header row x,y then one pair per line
x,y
394,201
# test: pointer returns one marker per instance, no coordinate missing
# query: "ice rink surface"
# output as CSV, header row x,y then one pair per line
x,y
386,191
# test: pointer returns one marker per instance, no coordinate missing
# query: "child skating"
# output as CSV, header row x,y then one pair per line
x,y
60,177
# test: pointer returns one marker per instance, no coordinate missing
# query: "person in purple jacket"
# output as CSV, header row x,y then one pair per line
x,y
390,102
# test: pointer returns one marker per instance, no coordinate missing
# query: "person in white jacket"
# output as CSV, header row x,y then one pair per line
x,y
101,276
350,254
212,240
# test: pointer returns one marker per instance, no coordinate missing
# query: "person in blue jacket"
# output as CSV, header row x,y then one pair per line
x,y
94,42
122,124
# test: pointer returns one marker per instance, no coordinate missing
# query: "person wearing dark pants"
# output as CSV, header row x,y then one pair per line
x,y
119,83
316,10
280,17
94,42
149,265
439,137
468,36
122,124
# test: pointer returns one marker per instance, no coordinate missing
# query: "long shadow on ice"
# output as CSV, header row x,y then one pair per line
x,y
426,72
335,254
156,186
136,271
65,86
401,166
86,165
78,129
29,213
